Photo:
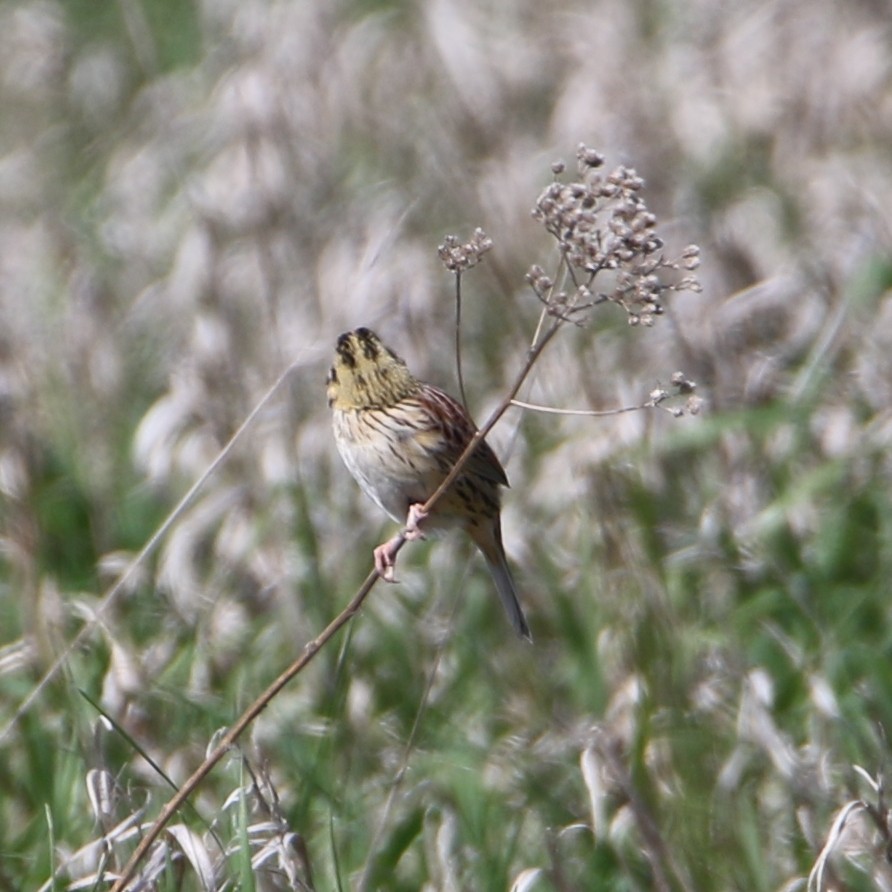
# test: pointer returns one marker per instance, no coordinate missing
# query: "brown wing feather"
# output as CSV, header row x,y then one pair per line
x,y
454,429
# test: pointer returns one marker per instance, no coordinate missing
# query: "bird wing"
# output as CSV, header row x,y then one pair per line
x,y
448,432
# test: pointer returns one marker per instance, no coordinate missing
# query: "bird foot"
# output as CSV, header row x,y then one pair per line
x,y
385,555
417,515
385,559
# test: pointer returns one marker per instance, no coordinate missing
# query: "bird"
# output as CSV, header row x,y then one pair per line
x,y
399,437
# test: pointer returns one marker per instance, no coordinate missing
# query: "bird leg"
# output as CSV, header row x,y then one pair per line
x,y
385,555
417,515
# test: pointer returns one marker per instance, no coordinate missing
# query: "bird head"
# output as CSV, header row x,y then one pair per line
x,y
366,374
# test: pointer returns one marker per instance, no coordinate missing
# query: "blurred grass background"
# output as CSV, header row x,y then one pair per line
x,y
195,194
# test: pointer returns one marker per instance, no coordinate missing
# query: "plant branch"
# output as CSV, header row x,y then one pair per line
x,y
507,401
461,377
231,736
313,647
589,413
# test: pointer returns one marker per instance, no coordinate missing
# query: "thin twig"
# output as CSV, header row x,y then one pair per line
x,y
314,646
461,377
591,413
335,625
532,355
231,736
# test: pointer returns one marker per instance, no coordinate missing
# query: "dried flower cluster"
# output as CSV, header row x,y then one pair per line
x,y
459,256
601,223
682,387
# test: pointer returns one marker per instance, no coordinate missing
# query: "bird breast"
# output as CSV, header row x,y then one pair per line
x,y
388,457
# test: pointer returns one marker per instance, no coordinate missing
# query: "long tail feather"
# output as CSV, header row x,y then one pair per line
x,y
508,594
489,541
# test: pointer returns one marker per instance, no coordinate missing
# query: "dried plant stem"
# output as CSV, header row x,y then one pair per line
x,y
540,323
538,345
461,377
313,647
588,413
154,541
231,736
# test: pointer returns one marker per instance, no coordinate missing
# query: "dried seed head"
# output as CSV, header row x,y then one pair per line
x,y
691,257
459,256
603,227
587,158
682,383
539,282
693,405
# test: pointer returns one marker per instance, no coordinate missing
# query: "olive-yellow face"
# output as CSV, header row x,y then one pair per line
x,y
366,374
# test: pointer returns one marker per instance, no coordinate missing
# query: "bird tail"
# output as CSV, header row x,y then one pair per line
x,y
494,553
